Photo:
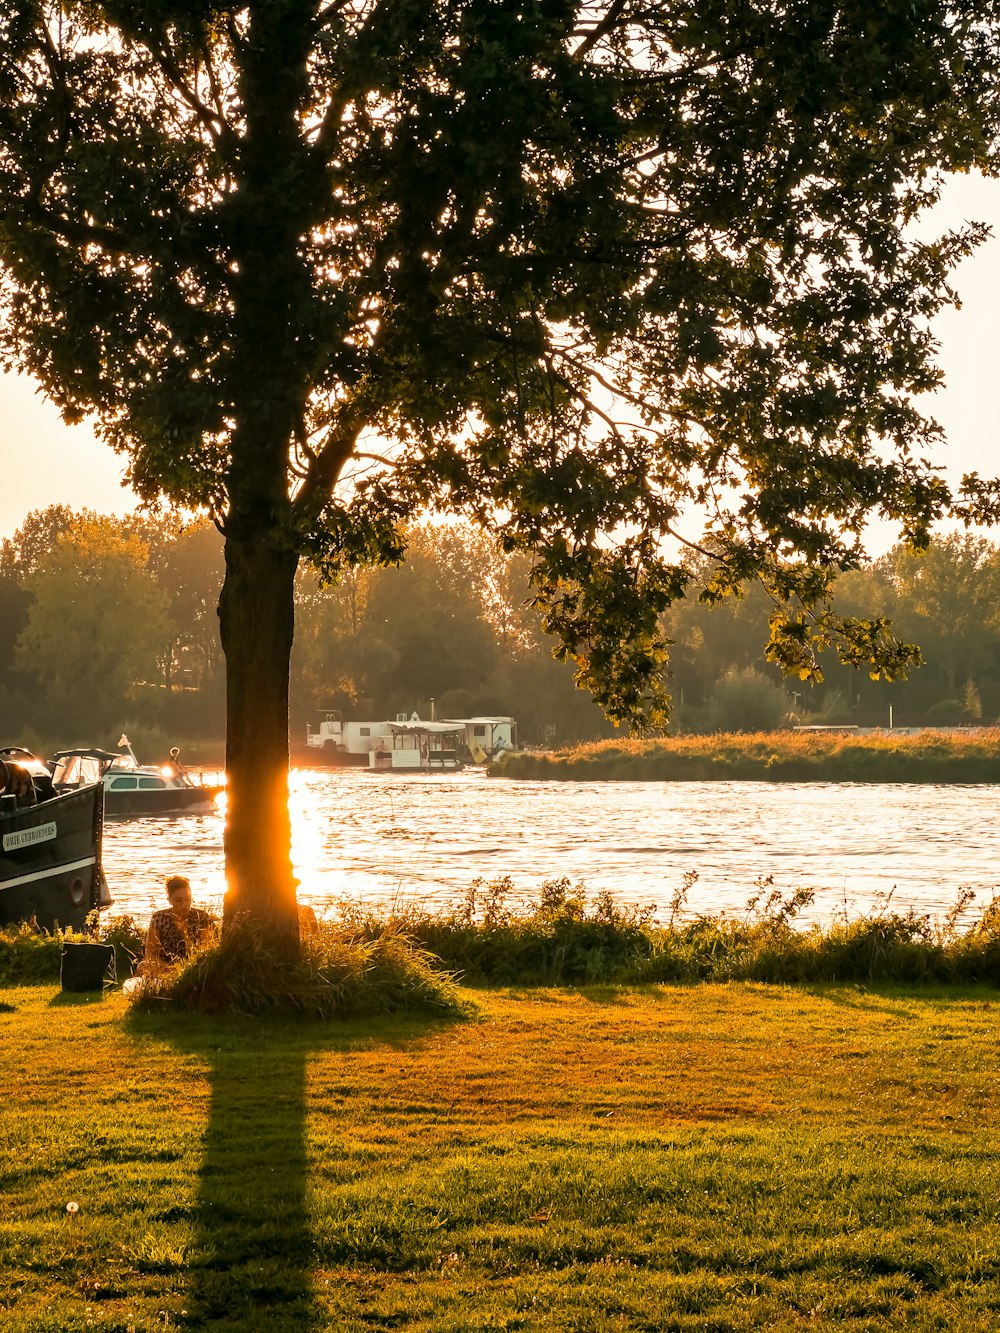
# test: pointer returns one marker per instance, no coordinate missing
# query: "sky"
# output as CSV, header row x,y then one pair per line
x,y
43,461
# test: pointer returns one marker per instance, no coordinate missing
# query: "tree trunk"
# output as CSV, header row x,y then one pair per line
x,y
256,611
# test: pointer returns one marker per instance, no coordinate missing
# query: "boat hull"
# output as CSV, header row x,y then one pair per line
x,y
50,860
167,801
329,756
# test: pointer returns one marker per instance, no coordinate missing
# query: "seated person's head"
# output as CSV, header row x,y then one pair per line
x,y
179,892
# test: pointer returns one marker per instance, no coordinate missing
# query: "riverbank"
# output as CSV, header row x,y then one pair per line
x,y
734,1157
780,756
566,937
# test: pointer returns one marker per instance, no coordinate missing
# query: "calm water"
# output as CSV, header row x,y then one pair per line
x,y
375,838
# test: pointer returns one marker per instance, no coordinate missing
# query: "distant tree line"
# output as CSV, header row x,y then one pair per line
x,y
110,623
946,600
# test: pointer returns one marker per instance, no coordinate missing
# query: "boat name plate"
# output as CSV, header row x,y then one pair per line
x,y
26,837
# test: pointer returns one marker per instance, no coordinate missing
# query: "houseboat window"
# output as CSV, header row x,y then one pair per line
x,y
365,731
147,784
123,784
479,731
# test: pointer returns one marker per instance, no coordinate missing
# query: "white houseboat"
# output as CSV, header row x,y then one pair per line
x,y
411,743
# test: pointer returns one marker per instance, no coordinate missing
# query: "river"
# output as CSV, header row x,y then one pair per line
x,y
376,838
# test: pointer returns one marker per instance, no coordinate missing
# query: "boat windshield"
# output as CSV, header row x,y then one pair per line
x,y
76,770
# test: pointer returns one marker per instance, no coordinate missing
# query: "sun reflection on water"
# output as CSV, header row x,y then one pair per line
x,y
375,838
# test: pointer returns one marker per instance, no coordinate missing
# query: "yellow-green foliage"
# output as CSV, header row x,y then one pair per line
x,y
722,1157
786,756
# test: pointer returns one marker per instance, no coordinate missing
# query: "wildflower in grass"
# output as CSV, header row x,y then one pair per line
x,y
72,1208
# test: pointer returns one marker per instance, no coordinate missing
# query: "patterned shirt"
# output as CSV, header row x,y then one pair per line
x,y
168,940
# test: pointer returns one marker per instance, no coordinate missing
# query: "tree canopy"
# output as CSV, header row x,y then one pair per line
x,y
592,273
96,624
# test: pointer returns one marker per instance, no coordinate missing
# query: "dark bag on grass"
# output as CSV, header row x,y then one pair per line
x,y
85,966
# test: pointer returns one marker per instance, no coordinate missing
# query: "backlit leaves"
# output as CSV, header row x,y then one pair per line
x,y
598,275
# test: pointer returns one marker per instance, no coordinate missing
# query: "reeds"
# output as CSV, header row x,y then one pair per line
x,y
563,939
369,962
787,756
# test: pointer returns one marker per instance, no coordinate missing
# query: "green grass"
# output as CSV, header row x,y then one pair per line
x,y
718,1157
780,756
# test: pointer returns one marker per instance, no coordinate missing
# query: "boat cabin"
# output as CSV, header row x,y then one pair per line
x,y
485,737
79,768
413,744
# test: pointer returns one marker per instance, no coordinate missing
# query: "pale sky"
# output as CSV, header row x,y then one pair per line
x,y
43,461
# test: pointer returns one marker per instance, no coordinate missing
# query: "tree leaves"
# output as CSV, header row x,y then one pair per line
x,y
597,276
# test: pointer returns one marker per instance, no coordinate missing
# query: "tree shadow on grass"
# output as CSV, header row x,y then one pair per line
x,y
77,999
251,1255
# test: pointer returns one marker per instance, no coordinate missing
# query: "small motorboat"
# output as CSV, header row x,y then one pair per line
x,y
50,846
131,788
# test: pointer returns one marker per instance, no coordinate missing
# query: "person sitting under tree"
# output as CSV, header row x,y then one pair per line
x,y
174,931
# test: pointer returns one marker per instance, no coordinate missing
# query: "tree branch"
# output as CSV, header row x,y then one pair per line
x,y
32,216
328,463
601,28
213,121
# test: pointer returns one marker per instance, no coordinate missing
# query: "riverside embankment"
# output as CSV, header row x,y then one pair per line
x,y
780,756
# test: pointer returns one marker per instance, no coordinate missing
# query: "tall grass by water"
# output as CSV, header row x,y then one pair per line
x,y
362,961
340,973
565,938
787,756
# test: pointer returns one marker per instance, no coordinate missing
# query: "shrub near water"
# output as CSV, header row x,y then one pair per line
x,y
340,973
562,940
559,940
367,963
28,953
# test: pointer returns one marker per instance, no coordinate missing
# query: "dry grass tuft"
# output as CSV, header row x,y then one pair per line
x,y
337,975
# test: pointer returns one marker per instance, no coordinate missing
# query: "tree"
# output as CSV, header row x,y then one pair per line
x,y
20,557
95,626
36,538
189,569
404,636
746,700
949,596
568,268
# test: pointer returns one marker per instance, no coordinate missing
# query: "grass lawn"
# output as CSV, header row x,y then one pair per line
x,y
717,1157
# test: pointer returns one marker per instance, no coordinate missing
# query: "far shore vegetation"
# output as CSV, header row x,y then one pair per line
x,y
836,755
675,1158
112,626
